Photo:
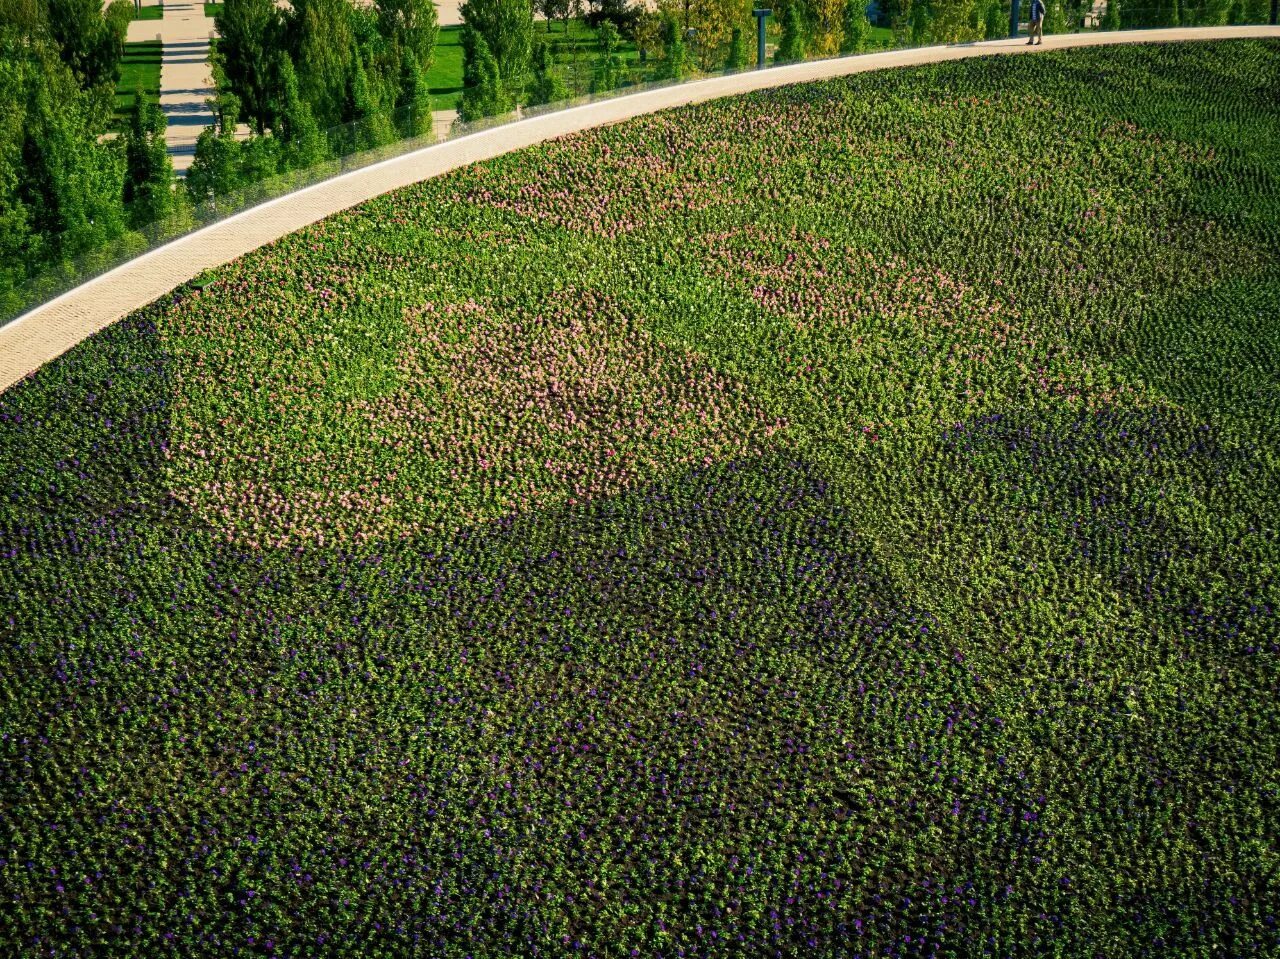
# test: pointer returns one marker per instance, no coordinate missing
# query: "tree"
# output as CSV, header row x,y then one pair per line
x,y
824,25
737,57
1055,18
546,86
119,14
995,22
60,189
791,49
551,10
608,71
675,55
646,33
322,46
250,33
413,98
301,142
1111,19
371,125
507,29
215,169
484,94
410,25
148,183
88,44
943,21
857,28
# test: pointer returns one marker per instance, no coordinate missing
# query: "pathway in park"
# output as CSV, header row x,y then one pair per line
x,y
186,79
51,329
449,12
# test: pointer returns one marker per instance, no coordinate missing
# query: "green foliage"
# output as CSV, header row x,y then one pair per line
x,y
217,168
507,29
60,189
738,57
410,26
323,42
413,101
485,94
1055,18
609,67
149,183
546,86
250,39
791,47
1152,13
995,21
837,520
675,54
90,43
302,143
370,122
856,32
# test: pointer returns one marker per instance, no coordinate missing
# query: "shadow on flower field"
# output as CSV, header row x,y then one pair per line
x,y
839,521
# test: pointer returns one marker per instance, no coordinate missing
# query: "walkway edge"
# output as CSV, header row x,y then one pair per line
x,y
49,330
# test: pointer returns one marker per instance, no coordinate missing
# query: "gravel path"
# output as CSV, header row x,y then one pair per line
x,y
53,328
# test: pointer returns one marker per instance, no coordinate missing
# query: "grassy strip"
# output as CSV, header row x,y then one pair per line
x,y
139,70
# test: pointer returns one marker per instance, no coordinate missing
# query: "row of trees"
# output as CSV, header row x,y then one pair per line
x,y
507,63
69,186
355,72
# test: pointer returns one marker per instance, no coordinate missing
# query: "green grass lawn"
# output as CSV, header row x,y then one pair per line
x,y
140,69
150,11
444,79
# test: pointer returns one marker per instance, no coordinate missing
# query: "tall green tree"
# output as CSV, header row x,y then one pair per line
x,y
791,48
371,122
302,144
148,183
413,97
89,44
995,20
608,69
60,188
546,86
507,29
736,59
675,55
322,46
250,34
409,25
484,94
857,28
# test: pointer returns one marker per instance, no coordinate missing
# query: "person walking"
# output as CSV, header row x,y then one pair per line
x,y
1037,23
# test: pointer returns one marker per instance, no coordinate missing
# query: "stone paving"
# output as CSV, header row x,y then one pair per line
x,y
186,79
54,327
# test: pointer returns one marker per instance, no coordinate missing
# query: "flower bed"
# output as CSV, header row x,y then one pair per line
x,y
835,521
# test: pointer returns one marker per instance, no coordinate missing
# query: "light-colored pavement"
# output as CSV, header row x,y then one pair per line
x,y
186,80
53,328
449,12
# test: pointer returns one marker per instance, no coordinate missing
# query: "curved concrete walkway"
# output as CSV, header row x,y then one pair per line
x,y
53,328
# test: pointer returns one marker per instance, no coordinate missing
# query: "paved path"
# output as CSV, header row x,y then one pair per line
x,y
449,12
53,328
186,81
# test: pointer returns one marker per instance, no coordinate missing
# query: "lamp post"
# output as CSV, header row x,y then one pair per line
x,y
1013,19
761,16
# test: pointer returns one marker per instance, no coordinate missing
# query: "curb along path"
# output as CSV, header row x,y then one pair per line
x,y
53,328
